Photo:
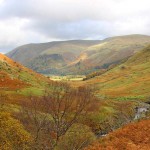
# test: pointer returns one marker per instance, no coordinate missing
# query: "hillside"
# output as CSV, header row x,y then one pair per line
x,y
130,80
49,57
78,57
17,81
58,108
107,52
135,136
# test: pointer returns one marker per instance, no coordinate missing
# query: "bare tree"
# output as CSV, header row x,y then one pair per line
x,y
57,111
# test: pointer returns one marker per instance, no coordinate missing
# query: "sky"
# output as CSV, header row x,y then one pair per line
x,y
38,21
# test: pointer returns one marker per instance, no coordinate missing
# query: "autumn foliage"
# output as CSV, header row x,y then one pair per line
x,y
135,136
13,136
77,137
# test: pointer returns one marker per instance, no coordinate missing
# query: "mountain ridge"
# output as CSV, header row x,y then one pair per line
x,y
78,56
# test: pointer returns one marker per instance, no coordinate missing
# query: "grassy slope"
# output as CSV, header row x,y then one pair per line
x,y
117,88
17,81
129,80
126,82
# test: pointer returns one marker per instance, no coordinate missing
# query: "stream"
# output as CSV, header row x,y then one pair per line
x,y
140,112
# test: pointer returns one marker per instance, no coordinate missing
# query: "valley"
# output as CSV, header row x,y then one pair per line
x,y
75,75
78,92
67,78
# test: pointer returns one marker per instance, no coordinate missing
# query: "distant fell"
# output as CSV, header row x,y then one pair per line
x,y
78,56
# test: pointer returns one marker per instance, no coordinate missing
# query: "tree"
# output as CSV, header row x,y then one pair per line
x,y
76,138
56,112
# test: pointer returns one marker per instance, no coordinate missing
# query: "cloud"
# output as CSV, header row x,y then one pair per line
x,y
29,21
12,34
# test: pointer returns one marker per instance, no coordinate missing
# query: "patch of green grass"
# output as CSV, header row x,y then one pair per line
x,y
32,91
127,98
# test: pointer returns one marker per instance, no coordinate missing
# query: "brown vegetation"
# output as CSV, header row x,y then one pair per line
x,y
135,136
50,117
12,134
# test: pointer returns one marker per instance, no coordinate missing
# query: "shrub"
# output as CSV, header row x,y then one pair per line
x,y
77,137
12,134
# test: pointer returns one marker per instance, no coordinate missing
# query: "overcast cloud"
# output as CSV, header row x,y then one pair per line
x,y
33,21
